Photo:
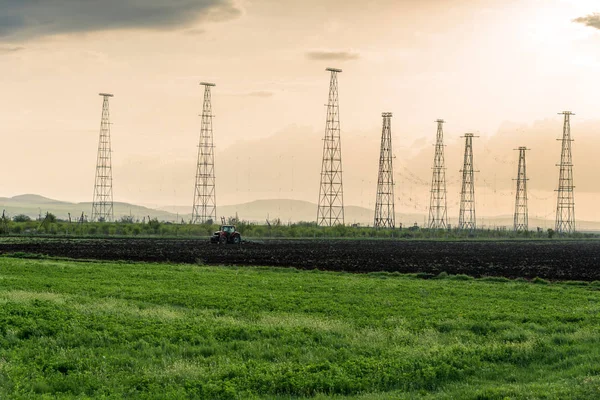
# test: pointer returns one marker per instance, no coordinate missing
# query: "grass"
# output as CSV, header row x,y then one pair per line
x,y
123,330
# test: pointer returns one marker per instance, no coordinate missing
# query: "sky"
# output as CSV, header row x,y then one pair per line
x,y
502,69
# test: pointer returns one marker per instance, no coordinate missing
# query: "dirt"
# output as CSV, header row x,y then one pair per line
x,y
555,260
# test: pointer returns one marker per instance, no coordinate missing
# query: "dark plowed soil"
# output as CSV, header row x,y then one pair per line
x,y
556,260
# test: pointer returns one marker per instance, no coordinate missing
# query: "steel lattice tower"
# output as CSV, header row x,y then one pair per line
x,y
385,216
205,198
565,208
331,192
438,207
521,223
102,205
466,218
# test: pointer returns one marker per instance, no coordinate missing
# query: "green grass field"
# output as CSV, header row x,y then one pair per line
x,y
122,330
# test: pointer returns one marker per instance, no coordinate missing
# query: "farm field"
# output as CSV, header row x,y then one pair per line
x,y
142,330
548,259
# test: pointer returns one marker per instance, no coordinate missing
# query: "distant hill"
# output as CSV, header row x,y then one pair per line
x,y
35,199
256,211
34,205
290,211
297,210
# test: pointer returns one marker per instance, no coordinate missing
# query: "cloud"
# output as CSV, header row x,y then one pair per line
x,y
591,20
26,19
327,55
8,50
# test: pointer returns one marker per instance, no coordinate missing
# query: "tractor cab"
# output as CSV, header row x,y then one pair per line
x,y
226,234
228,229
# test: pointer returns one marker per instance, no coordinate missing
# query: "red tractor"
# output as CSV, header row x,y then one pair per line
x,y
226,234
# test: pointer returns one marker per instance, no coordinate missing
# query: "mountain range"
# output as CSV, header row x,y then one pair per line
x,y
259,211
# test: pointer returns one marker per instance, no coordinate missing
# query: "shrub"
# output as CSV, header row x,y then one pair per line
x,y
539,281
495,279
51,218
442,275
154,225
461,277
21,218
576,283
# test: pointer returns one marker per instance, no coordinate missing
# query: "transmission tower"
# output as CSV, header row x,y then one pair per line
x,y
384,205
205,197
331,192
102,205
438,214
466,218
521,211
565,208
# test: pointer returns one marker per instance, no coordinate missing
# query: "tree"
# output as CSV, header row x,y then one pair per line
x,y
154,224
21,218
51,218
126,219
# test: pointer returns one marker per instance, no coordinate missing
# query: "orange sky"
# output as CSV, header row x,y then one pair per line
x,y
501,68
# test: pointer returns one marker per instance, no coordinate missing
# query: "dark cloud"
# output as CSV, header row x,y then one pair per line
x,y
25,19
323,55
6,50
592,20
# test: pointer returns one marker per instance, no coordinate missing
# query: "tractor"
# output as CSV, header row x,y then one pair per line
x,y
226,234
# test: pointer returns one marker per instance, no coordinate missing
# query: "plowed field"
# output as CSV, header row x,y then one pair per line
x,y
556,260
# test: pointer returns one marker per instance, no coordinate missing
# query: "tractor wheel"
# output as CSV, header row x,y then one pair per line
x,y
223,240
237,239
